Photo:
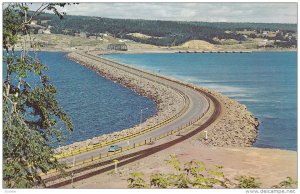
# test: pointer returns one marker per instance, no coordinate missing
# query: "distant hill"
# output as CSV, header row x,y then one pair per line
x,y
161,33
247,25
197,44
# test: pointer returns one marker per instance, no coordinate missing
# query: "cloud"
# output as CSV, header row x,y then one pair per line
x,y
211,12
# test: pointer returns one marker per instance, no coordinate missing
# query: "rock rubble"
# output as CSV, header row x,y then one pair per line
x,y
236,127
168,101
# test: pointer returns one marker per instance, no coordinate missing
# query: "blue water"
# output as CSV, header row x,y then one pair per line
x,y
266,82
96,105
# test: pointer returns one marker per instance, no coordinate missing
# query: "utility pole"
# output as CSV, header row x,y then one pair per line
x,y
141,118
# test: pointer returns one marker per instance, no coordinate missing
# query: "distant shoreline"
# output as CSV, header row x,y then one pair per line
x,y
190,52
67,43
163,50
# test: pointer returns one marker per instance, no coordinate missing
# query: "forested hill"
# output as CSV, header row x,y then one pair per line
x,y
248,25
166,33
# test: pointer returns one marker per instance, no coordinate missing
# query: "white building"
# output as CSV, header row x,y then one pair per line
x,y
33,22
47,31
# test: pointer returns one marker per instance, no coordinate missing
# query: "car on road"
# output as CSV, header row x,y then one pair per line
x,y
114,148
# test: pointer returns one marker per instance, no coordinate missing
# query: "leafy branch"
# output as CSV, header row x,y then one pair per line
x,y
31,113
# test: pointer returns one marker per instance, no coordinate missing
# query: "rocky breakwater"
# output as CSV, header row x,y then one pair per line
x,y
236,126
168,101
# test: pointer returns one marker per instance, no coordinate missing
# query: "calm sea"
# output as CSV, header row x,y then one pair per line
x,y
96,105
266,82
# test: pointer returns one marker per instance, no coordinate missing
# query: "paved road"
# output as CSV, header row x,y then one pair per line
x,y
198,106
88,171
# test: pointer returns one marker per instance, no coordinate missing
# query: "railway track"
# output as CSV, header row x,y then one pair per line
x,y
104,166
132,157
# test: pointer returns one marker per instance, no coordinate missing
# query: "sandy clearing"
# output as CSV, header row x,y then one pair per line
x,y
270,165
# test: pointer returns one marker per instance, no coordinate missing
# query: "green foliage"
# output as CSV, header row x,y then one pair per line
x,y
160,180
286,184
249,26
31,113
170,33
135,181
190,175
194,174
247,182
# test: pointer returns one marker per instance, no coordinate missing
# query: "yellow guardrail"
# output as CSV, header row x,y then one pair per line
x,y
103,144
110,154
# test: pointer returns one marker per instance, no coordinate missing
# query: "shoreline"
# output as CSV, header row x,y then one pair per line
x,y
236,128
191,51
159,50
168,102
162,50
229,144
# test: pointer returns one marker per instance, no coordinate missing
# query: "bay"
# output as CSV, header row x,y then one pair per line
x,y
266,82
96,105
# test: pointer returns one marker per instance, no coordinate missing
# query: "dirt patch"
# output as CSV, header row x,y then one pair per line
x,y
270,165
197,44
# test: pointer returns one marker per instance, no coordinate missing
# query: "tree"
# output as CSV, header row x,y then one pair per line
x,y
31,114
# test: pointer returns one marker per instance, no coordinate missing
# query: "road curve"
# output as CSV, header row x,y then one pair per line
x,y
198,105
129,158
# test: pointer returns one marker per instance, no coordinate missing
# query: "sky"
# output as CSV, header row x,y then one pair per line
x,y
208,12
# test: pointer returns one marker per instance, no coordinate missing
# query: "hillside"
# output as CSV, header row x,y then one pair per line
x,y
168,33
197,45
